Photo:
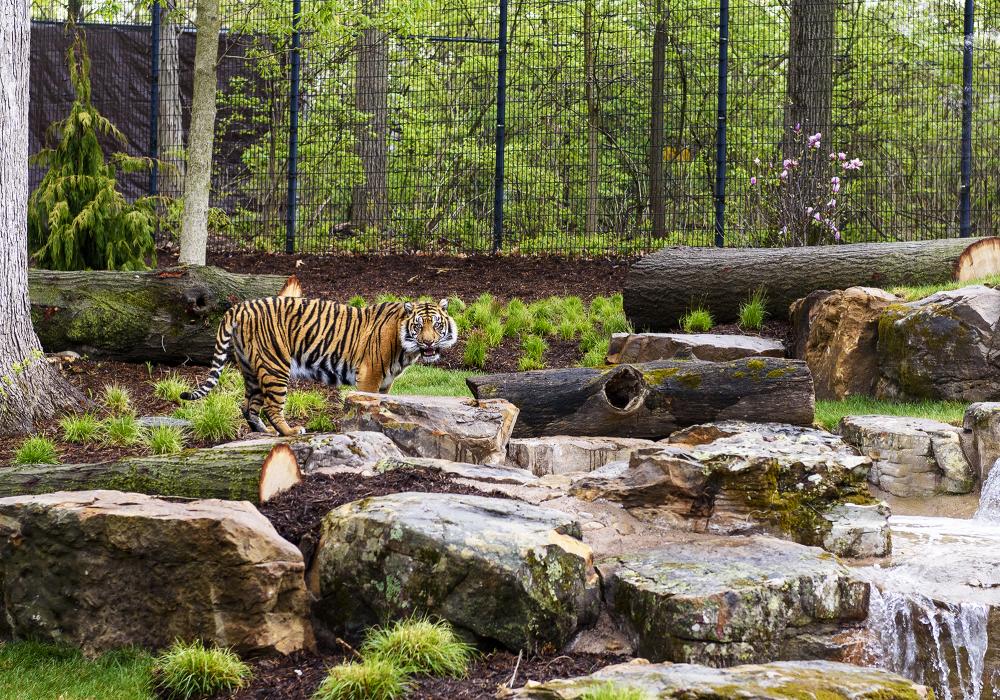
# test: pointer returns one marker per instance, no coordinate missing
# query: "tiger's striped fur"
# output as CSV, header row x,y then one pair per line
x,y
275,339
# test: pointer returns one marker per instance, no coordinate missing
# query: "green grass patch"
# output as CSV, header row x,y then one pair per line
x,y
698,320
925,290
165,440
301,404
80,429
117,399
33,671
425,380
753,311
186,671
420,646
829,413
371,679
36,450
171,387
123,430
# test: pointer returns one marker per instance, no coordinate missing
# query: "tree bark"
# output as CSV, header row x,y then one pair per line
x,y
369,199
593,117
198,179
165,316
654,399
663,286
235,474
656,202
171,125
30,389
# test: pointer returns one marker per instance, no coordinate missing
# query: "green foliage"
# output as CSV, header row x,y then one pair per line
x,y
80,429
123,430
610,691
301,404
370,679
36,450
36,671
165,440
77,219
117,399
697,320
829,413
425,380
753,311
217,417
187,671
476,348
419,646
171,388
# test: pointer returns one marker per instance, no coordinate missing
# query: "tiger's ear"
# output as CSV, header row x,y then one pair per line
x,y
408,307
292,288
443,304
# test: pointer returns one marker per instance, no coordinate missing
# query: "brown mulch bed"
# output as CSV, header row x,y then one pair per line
x,y
296,677
341,277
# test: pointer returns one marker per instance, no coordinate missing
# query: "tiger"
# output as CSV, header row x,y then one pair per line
x,y
279,338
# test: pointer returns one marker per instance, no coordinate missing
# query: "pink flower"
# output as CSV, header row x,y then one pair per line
x,y
753,181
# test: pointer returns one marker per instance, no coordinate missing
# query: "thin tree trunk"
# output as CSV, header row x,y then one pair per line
x,y
369,199
30,389
593,116
171,126
656,203
198,180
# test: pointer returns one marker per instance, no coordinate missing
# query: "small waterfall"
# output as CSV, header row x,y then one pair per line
x,y
989,499
940,646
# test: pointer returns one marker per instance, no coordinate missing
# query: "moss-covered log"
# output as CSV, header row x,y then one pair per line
x,y
661,287
246,473
167,316
652,400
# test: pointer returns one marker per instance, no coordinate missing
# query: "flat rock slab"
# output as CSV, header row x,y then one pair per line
x,y
741,478
461,430
733,600
711,347
911,456
563,454
775,681
502,570
106,569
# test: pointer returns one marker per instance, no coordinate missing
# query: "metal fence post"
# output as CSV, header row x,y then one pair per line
x,y
293,130
720,132
154,100
965,195
498,191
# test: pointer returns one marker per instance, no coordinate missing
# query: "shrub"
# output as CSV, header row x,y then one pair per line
x,y
187,671
171,387
117,399
419,645
697,320
371,679
215,418
123,430
476,348
80,429
165,440
753,311
302,404
36,450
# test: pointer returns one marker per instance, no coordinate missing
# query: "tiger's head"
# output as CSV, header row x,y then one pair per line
x,y
427,329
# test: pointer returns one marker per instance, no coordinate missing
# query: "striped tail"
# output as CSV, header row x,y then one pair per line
x,y
223,340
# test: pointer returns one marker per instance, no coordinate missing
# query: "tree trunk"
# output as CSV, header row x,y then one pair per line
x,y
656,203
165,316
663,286
593,117
171,125
236,474
201,140
652,400
369,199
30,389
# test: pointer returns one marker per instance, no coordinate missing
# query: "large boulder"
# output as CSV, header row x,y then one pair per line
x,y
459,429
941,347
106,569
733,600
981,426
837,338
911,456
501,570
740,478
563,454
775,681
711,347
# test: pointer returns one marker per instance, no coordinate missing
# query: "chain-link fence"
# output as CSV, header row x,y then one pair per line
x,y
611,141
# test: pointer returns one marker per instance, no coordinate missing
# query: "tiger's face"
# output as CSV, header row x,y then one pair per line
x,y
427,329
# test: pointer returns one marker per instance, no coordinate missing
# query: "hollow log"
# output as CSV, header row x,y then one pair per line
x,y
254,474
167,316
653,399
663,286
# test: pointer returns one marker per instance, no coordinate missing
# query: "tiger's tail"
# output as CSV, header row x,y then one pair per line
x,y
223,342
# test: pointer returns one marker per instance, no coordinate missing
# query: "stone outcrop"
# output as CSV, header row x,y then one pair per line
x,y
711,347
106,569
562,454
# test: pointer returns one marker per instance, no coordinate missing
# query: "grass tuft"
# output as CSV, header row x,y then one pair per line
x,y
123,430
188,671
697,320
829,413
80,429
420,646
165,440
171,387
371,679
36,450
117,399
753,311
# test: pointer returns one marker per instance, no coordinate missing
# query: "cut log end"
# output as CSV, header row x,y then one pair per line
x,y
979,260
279,473
292,288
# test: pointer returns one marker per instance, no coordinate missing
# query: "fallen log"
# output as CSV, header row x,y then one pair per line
x,y
167,316
654,399
663,286
246,473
